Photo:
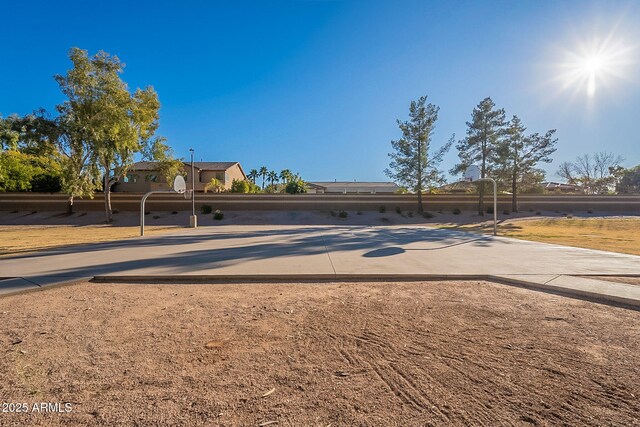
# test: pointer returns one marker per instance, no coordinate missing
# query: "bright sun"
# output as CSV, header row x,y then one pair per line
x,y
594,65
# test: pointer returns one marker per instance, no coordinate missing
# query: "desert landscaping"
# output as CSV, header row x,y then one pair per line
x,y
327,354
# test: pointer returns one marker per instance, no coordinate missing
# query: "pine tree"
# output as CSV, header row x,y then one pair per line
x,y
518,154
484,134
412,165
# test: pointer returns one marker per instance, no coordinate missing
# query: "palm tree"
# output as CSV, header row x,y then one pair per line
x,y
253,174
273,178
263,173
286,175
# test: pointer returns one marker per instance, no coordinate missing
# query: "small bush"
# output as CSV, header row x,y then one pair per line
x,y
570,216
174,213
115,211
490,210
218,215
296,187
427,215
398,210
206,209
590,211
410,214
239,186
505,212
538,213
358,213
343,214
456,211
156,217
382,209
147,212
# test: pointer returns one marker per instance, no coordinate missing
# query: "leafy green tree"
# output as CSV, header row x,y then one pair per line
x,y
168,165
263,173
296,186
517,156
26,172
9,137
214,185
115,124
412,163
629,181
484,134
244,186
253,175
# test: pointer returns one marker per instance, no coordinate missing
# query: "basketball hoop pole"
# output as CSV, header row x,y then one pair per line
x,y
179,187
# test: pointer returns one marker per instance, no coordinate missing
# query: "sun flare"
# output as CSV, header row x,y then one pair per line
x,y
594,65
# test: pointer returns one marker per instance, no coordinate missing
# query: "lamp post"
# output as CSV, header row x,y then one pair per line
x,y
193,220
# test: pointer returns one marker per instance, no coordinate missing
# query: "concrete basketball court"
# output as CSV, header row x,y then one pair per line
x,y
339,251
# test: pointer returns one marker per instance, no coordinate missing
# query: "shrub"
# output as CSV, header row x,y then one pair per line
x,y
206,209
382,209
296,187
174,213
538,213
115,211
343,214
570,216
490,209
427,215
410,214
358,213
239,186
218,215
505,212
590,211
44,183
398,210
456,211
156,217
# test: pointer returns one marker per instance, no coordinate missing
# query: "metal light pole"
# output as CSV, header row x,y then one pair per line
x,y
193,221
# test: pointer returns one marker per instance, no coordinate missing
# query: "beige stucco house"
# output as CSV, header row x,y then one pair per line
x,y
144,176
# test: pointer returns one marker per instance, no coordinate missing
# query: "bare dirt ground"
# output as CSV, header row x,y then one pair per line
x,y
399,354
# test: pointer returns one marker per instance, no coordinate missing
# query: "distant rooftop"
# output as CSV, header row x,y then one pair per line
x,y
208,166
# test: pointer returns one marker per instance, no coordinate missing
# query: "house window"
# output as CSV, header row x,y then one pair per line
x,y
130,177
152,178
221,176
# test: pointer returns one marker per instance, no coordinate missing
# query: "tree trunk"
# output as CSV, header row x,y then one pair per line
x,y
514,189
481,190
70,205
107,198
419,186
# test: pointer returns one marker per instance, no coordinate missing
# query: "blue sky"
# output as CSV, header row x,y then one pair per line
x,y
316,86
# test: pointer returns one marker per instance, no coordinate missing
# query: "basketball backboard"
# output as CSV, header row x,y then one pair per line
x,y
472,173
179,185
